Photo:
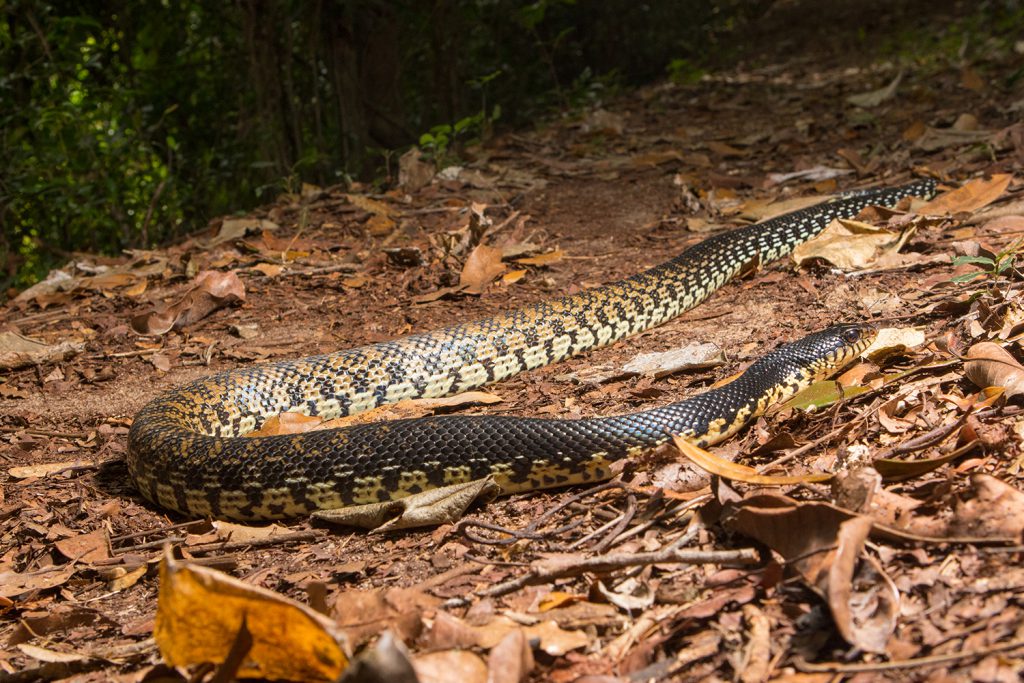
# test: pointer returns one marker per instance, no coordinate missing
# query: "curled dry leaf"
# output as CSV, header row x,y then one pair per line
x,y
483,265
873,98
201,611
852,245
737,472
992,366
824,544
970,197
211,290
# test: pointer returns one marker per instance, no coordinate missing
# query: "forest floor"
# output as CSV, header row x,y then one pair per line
x,y
908,565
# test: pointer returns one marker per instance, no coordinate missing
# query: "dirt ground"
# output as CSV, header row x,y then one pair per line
x,y
586,585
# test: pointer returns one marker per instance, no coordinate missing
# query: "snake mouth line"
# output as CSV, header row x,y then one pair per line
x,y
185,454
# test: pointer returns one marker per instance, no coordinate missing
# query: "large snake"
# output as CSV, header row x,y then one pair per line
x,y
185,451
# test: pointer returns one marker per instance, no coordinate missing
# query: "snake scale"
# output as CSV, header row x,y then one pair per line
x,y
185,451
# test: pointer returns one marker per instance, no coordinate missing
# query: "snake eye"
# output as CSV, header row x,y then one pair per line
x,y
851,335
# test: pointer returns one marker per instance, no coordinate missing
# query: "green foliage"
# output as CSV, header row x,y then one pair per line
x,y
684,71
127,124
992,267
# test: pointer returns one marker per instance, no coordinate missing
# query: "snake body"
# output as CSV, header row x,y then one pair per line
x,y
185,451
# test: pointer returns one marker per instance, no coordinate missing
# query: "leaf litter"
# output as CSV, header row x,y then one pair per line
x,y
877,532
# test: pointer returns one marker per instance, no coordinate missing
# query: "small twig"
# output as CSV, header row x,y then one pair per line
x,y
606,563
158,530
837,667
44,432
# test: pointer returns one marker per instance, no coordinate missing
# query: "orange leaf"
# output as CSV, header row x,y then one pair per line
x,y
482,266
971,197
736,472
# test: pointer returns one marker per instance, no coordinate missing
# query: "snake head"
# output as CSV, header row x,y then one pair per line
x,y
836,346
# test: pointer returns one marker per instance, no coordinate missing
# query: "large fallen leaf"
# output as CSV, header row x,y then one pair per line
x,y
731,470
17,351
363,614
873,98
824,544
14,583
970,197
991,366
939,138
211,290
852,245
201,611
483,266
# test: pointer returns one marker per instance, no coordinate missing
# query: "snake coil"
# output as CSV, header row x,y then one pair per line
x,y
186,453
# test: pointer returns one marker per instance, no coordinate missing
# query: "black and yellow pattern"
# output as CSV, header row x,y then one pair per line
x,y
184,450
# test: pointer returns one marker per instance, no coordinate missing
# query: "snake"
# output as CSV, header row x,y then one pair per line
x,y
187,453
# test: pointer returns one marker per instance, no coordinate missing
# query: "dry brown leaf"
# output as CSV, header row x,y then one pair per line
x,y
542,259
13,584
873,98
483,266
414,171
511,660
513,276
864,601
992,366
88,547
269,269
970,197
47,468
852,245
449,666
362,614
200,612
17,351
731,470
52,656
369,205
210,290
824,544
995,509
235,228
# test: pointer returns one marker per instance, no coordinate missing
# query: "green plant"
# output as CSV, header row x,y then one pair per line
x,y
992,266
684,72
436,144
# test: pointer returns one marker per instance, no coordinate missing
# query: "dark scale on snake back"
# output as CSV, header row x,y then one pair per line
x,y
178,457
